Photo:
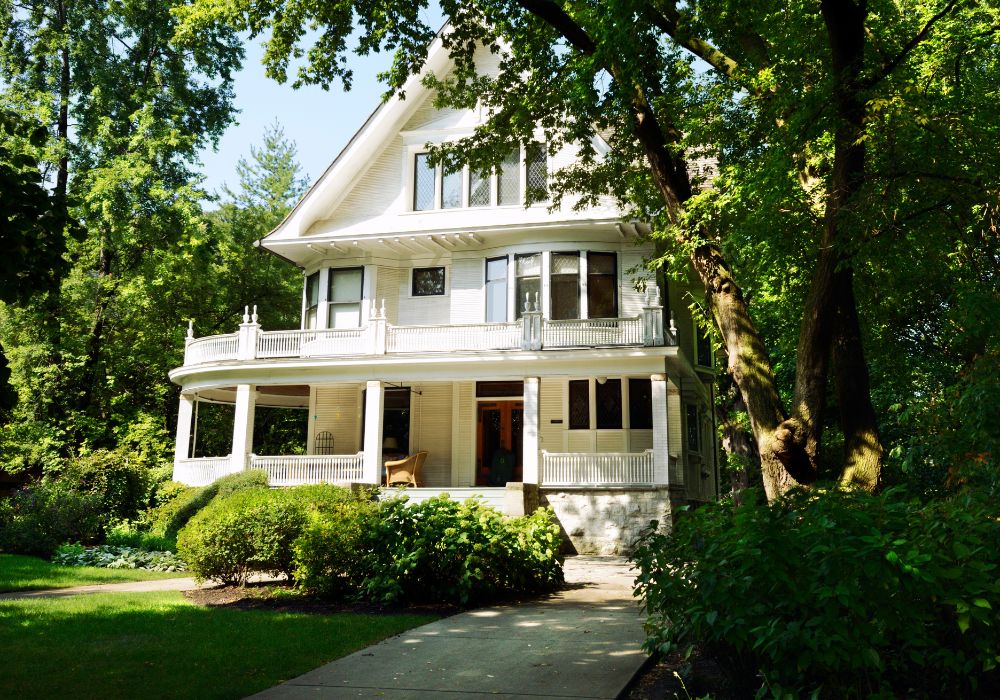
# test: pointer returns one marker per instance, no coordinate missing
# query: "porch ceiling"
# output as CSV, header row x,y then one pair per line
x,y
272,396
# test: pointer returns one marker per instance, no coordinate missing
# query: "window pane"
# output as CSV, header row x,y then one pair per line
x,y
312,315
609,404
345,284
703,348
312,289
640,404
693,428
530,264
496,269
479,189
602,286
537,173
496,290
451,190
345,315
428,281
509,180
565,263
579,404
528,287
564,288
423,183
491,389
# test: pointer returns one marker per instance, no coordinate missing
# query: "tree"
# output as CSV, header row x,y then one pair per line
x,y
838,127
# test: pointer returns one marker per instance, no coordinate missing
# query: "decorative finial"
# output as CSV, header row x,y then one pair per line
x,y
673,327
381,310
527,302
246,314
253,317
656,296
190,328
536,307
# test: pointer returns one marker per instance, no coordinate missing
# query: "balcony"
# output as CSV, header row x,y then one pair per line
x,y
379,337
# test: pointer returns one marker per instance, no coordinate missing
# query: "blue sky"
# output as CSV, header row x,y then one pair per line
x,y
319,122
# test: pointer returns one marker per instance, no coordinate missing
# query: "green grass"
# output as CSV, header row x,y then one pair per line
x,y
19,573
160,645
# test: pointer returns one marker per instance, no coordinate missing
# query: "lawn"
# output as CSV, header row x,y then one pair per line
x,y
160,645
18,573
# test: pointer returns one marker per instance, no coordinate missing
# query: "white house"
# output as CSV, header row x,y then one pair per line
x,y
441,314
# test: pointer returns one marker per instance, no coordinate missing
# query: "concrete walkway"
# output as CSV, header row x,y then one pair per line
x,y
584,642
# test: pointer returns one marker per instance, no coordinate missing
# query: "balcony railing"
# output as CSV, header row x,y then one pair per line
x,y
531,332
594,470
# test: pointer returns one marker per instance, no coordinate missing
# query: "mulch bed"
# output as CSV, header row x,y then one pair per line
x,y
672,676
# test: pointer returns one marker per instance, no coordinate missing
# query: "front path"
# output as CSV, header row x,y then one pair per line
x,y
584,642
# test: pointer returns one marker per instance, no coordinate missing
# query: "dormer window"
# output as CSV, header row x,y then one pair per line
x,y
521,178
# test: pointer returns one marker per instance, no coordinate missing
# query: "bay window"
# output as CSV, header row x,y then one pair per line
x,y
496,290
602,285
344,294
528,285
564,286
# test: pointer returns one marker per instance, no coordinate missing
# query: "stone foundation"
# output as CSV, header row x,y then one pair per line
x,y
607,521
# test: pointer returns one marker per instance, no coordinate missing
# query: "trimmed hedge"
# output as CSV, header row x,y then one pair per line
x,y
834,594
167,519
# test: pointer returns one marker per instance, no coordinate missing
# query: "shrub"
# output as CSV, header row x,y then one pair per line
x,y
117,557
168,518
39,518
251,530
329,556
129,534
122,484
442,550
841,594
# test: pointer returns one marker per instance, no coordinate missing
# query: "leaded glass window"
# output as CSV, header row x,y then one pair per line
x,y
529,281
536,169
451,190
564,286
509,179
424,175
479,189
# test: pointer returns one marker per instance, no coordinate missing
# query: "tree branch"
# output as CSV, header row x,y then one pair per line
x,y
668,20
553,15
889,67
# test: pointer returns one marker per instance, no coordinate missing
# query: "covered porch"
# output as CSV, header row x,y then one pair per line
x,y
574,432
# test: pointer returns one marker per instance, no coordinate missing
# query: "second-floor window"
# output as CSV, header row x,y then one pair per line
x,y
602,286
312,300
496,290
564,286
344,295
528,268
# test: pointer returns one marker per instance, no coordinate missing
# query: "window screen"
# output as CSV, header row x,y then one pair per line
x,y
564,286
602,285
344,294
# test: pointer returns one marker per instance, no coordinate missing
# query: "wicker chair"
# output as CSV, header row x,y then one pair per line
x,y
405,471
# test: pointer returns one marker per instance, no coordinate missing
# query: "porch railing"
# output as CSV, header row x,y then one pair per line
x,y
210,348
344,341
201,471
478,336
602,469
293,470
592,331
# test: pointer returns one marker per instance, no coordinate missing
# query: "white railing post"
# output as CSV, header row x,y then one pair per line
x,y
249,329
652,317
246,401
661,431
530,471
378,328
372,465
531,324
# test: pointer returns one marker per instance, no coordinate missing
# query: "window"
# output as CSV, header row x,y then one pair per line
x,y
479,189
564,286
451,190
395,420
579,404
499,389
693,427
529,281
536,170
602,285
428,281
703,348
640,404
424,177
509,179
496,290
344,294
609,404
312,300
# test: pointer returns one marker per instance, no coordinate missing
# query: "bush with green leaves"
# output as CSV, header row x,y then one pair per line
x,y
117,557
135,536
329,554
122,483
837,594
441,550
249,531
167,519
44,515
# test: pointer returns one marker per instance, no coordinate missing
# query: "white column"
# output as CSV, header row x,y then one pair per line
x,y
661,430
182,445
372,465
529,460
246,402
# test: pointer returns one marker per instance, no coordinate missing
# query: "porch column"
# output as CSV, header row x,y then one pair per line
x,y
182,445
371,468
246,403
529,460
661,431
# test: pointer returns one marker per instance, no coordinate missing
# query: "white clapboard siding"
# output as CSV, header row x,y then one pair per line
x,y
431,430
422,311
387,288
639,440
674,409
337,410
551,396
631,299
463,437
467,300
375,193
580,441
610,440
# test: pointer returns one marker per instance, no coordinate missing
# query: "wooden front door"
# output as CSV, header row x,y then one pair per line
x,y
499,431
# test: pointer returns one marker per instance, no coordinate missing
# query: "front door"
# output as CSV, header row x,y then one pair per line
x,y
499,430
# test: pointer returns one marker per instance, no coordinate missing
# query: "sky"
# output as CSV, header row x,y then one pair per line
x,y
319,122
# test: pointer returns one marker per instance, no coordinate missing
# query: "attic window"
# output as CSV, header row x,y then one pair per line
x,y
521,178
424,176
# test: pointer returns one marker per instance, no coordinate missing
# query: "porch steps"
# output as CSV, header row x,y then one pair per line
x,y
491,496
